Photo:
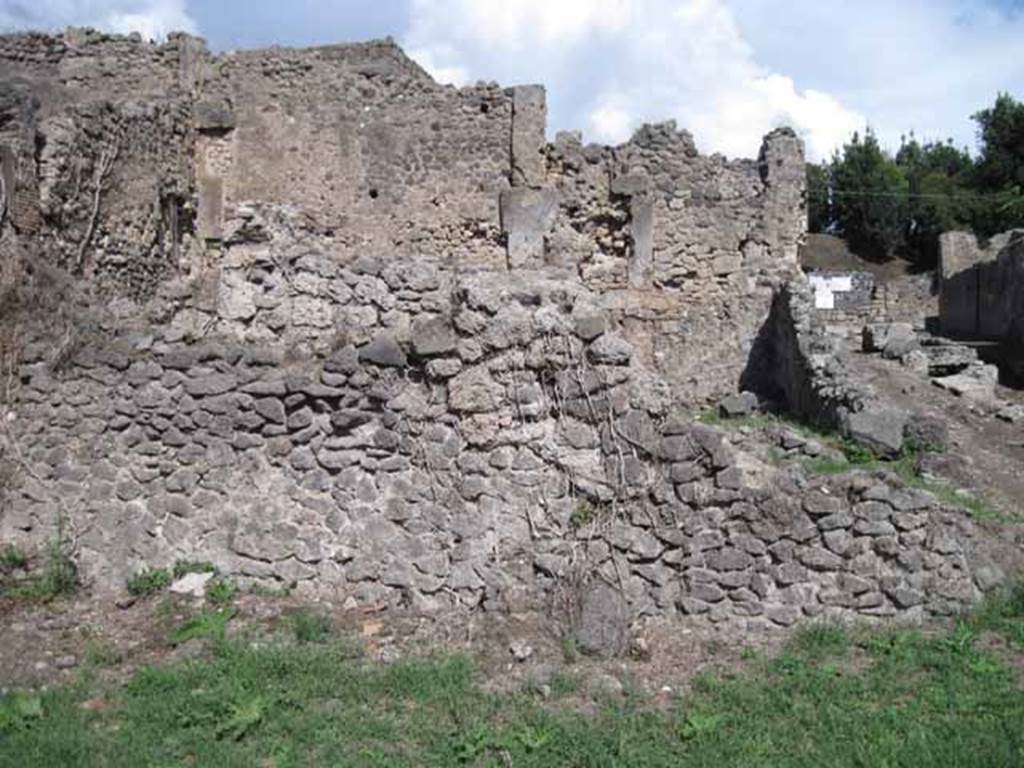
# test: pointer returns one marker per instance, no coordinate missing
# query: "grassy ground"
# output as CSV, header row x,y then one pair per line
x,y
833,697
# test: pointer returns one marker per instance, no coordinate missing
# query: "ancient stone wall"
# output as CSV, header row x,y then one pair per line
x,y
802,365
685,247
512,453
383,160
981,290
375,337
102,141
353,151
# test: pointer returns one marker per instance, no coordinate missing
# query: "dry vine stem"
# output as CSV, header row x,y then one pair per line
x,y
101,174
3,203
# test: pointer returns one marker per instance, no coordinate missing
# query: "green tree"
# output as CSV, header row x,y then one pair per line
x,y
869,198
1001,133
819,205
999,175
938,177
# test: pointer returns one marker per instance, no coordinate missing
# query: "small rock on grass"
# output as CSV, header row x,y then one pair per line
x,y
521,650
193,584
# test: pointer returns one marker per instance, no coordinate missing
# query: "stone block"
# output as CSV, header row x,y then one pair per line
x,y
609,349
384,351
741,404
603,626
215,115
529,125
879,428
7,179
640,266
432,336
527,216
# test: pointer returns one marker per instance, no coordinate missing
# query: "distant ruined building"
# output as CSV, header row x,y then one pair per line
x,y
356,330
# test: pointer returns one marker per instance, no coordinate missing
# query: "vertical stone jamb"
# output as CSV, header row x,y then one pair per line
x,y
959,260
529,123
6,183
641,227
215,122
528,210
637,187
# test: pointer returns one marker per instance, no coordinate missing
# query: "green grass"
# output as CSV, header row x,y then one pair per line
x,y
310,626
832,697
12,557
208,625
149,581
220,591
58,577
182,567
1002,612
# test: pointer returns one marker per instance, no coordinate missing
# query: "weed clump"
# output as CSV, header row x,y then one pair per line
x,y
220,591
148,582
12,558
310,626
59,577
185,567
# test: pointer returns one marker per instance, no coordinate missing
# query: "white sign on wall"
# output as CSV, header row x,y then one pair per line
x,y
825,289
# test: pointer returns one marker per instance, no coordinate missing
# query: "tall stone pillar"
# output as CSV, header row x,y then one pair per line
x,y
783,170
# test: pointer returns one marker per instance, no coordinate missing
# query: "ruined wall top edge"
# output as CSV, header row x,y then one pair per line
x,y
34,53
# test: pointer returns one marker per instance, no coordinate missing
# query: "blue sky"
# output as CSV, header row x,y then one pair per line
x,y
729,70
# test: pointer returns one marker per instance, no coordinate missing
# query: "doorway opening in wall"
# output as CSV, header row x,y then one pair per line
x,y
1007,358
374,193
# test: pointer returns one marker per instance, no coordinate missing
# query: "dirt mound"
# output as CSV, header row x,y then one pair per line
x,y
827,253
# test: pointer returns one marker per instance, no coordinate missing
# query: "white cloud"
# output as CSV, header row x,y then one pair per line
x,y
518,24
921,65
612,64
609,121
153,19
